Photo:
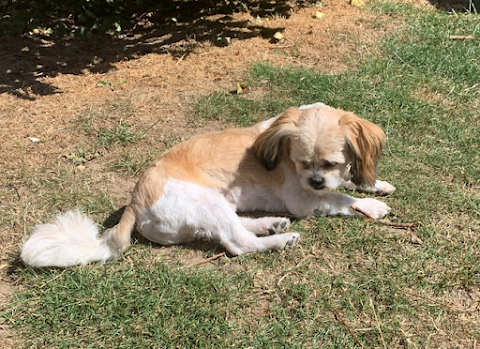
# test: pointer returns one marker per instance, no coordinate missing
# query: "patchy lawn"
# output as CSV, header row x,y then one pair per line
x,y
81,119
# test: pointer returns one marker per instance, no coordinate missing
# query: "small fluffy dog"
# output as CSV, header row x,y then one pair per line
x,y
289,163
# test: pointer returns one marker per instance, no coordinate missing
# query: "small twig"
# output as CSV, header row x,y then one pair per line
x,y
292,269
70,321
150,127
397,224
209,259
378,323
18,193
282,47
52,279
384,221
355,208
348,328
181,58
462,37
281,279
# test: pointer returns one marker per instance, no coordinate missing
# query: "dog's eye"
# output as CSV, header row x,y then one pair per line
x,y
330,164
306,163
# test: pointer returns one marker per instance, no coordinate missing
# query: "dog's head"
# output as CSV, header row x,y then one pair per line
x,y
325,144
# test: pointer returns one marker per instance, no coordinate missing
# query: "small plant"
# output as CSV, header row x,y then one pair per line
x,y
110,84
170,142
120,134
132,162
87,119
79,156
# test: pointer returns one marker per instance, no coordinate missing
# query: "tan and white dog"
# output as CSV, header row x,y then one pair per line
x,y
289,163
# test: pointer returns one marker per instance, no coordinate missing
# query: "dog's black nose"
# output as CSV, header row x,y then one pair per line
x,y
317,183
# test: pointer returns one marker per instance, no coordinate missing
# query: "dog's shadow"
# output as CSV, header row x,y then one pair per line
x,y
114,218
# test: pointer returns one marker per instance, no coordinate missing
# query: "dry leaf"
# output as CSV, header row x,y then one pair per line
x,y
357,3
278,36
240,88
319,14
414,239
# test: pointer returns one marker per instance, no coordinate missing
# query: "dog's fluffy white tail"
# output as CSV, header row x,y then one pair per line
x,y
70,240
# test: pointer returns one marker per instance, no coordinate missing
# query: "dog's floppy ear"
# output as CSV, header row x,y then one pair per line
x,y
274,142
365,141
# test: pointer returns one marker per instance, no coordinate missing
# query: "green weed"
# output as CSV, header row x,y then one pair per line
x,y
121,134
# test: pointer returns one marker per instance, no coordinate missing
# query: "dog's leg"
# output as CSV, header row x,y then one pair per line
x,y
339,204
379,188
266,225
239,240
242,241
186,212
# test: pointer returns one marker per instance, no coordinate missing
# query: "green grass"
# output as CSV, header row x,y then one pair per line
x,y
108,125
423,90
162,305
236,110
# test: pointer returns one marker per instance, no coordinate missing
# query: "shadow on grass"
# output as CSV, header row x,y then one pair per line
x,y
457,5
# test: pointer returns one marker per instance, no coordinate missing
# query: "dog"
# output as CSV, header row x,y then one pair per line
x,y
289,163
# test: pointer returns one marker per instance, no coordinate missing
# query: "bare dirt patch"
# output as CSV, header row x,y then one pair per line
x,y
6,336
47,83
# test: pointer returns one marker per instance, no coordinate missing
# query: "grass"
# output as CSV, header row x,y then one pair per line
x,y
108,125
98,310
236,111
422,88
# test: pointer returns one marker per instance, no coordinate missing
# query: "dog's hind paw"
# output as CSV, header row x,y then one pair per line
x,y
294,238
279,227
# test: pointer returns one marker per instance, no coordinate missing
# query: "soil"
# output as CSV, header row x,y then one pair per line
x,y
46,83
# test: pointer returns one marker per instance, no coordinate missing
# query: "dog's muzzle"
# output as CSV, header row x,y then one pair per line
x,y
317,183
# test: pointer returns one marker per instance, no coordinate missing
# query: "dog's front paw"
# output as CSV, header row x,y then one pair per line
x,y
279,227
383,188
293,238
371,208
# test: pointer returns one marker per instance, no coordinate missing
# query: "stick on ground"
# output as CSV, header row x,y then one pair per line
x,y
210,258
348,328
384,221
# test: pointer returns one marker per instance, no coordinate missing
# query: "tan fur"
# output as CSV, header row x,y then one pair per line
x,y
366,141
273,144
291,163
244,157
